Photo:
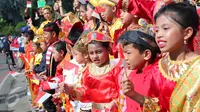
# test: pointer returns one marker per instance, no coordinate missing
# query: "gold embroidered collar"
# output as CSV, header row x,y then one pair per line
x,y
173,70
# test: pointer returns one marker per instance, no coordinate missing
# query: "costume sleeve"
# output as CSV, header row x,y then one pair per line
x,y
42,66
143,8
40,30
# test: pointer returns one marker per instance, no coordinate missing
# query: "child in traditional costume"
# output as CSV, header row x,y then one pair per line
x,y
92,17
100,79
109,14
51,32
140,52
176,88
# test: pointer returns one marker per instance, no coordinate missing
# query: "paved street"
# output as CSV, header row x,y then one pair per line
x,y
13,90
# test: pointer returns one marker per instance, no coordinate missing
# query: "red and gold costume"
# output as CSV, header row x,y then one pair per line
x,y
101,81
175,88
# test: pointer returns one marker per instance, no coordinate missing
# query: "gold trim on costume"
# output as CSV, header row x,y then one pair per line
x,y
151,105
173,70
99,71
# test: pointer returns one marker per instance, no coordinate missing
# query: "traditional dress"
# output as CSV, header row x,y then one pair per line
x,y
102,82
141,82
176,88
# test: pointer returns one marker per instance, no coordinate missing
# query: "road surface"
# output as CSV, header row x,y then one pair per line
x,y
13,90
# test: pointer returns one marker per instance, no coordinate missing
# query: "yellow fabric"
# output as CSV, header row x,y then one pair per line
x,y
94,2
40,30
115,26
38,58
106,2
186,94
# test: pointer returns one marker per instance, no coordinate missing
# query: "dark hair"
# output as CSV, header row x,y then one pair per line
x,y
60,46
90,5
84,5
142,48
97,21
29,34
183,13
103,44
75,33
53,26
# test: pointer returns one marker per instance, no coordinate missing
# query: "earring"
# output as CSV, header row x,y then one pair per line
x,y
185,42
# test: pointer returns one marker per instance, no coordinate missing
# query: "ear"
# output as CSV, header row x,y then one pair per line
x,y
62,53
86,56
114,9
188,33
147,54
54,34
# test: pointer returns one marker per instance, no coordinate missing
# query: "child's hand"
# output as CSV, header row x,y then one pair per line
x,y
43,77
127,86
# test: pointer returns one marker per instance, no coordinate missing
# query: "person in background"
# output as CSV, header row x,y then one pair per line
x,y
58,9
48,13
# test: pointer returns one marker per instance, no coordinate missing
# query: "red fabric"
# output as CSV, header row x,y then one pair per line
x,y
141,8
105,86
161,88
141,82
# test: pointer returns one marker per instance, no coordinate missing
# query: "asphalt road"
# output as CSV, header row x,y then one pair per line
x,y
13,90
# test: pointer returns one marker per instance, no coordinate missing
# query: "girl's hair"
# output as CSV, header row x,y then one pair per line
x,y
84,5
48,8
103,44
183,13
90,5
29,34
97,21
60,46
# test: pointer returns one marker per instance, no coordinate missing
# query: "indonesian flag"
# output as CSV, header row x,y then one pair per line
x,y
34,78
70,71
28,4
41,97
14,74
58,79
48,85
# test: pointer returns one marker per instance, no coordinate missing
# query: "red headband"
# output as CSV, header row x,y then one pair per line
x,y
48,29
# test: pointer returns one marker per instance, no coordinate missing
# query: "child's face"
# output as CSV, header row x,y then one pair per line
x,y
25,40
35,49
43,45
79,57
107,15
58,56
89,12
133,58
82,12
126,18
48,37
56,6
98,54
169,34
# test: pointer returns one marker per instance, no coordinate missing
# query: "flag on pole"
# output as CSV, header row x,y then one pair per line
x,y
48,85
28,4
41,97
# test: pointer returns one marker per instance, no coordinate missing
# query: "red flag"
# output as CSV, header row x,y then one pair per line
x,y
41,97
58,79
14,73
48,85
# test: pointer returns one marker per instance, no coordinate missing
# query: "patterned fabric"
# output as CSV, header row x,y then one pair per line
x,y
97,36
186,94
